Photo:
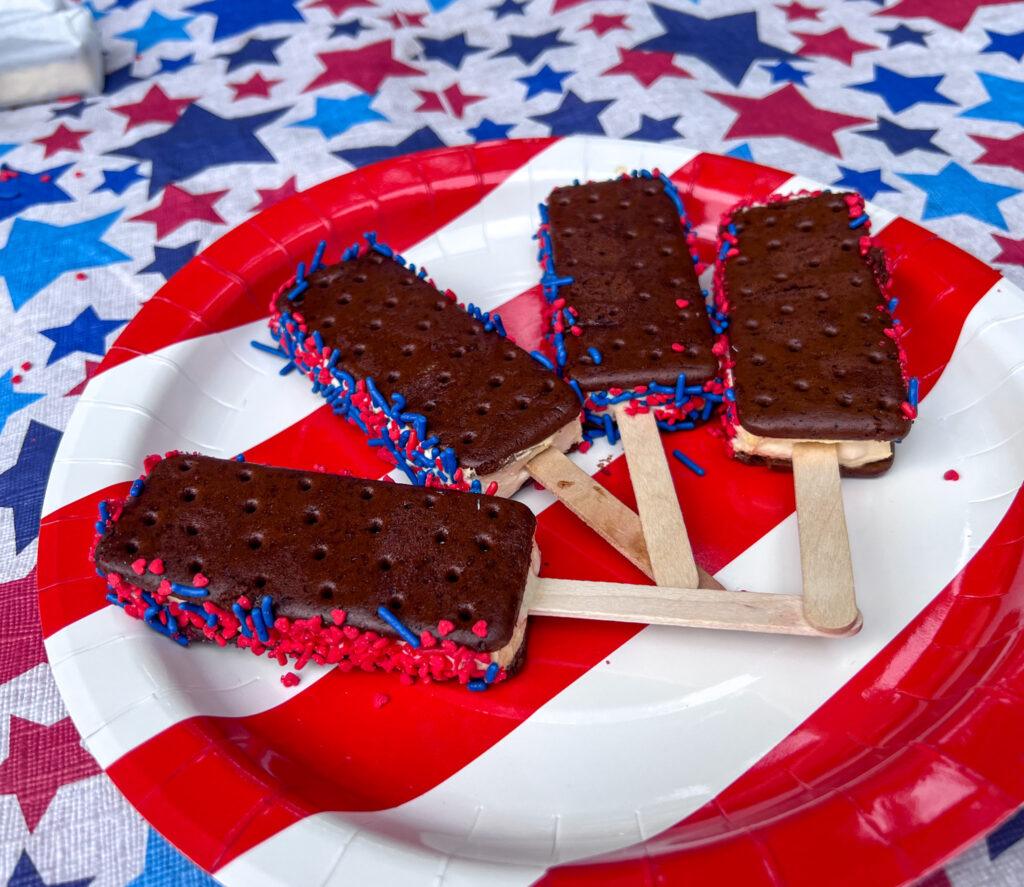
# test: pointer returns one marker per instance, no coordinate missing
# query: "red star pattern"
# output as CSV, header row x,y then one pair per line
x,y
561,5
406,20
62,139
796,11
254,86
952,13
646,67
21,644
91,366
787,113
179,206
337,7
366,67
154,107
455,99
40,761
1002,152
1012,250
834,44
602,24
270,196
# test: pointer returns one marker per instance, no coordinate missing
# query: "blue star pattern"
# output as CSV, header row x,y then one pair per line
x,y
652,130
198,141
935,149
27,875
729,44
168,259
12,400
1005,100
37,253
868,181
1011,44
451,50
953,190
575,115
335,116
117,181
901,92
486,130
21,190
237,18
900,139
528,49
23,484
784,72
545,80
157,29
254,51
87,333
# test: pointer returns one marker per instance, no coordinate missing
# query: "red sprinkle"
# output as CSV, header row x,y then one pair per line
x,y
156,566
677,347
290,679
492,488
200,581
952,474
16,379
682,303
480,628
139,566
27,365
380,700
338,616
445,627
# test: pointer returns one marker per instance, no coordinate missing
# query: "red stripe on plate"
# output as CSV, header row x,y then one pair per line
x,y
401,199
890,776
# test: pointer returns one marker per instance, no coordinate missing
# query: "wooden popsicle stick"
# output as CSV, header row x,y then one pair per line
x,y
685,607
606,515
668,544
829,599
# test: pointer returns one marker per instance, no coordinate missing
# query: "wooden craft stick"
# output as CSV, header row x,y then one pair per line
x,y
606,515
829,599
668,544
684,607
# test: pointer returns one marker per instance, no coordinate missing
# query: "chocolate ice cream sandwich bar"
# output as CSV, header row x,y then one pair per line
x,y
300,565
439,389
631,331
814,351
816,370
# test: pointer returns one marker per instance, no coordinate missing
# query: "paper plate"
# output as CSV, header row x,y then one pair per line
x,y
622,753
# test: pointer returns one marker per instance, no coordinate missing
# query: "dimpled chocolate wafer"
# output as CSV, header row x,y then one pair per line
x,y
634,289
475,406
815,350
212,542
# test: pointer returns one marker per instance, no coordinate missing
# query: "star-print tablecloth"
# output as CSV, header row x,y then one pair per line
x,y
216,109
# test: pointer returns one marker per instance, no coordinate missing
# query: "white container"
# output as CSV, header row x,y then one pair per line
x,y
47,50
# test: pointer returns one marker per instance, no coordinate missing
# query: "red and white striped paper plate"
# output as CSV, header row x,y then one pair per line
x,y
622,753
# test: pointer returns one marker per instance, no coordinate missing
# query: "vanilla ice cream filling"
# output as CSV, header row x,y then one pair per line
x,y
513,474
852,453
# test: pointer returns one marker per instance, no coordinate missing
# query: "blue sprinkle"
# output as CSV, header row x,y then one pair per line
x,y
260,626
318,340
267,608
240,614
542,208
172,624
392,620
542,360
576,387
400,259
499,325
730,395
491,673
476,685
240,457
706,412
680,392
300,271
609,429
891,306
100,573
137,487
860,220
689,463
151,612
104,509
101,527
723,251
318,255
912,392
731,228
595,355
188,591
286,369
299,289
114,599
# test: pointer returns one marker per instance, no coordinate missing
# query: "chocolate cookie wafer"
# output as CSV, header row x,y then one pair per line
x,y
300,565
